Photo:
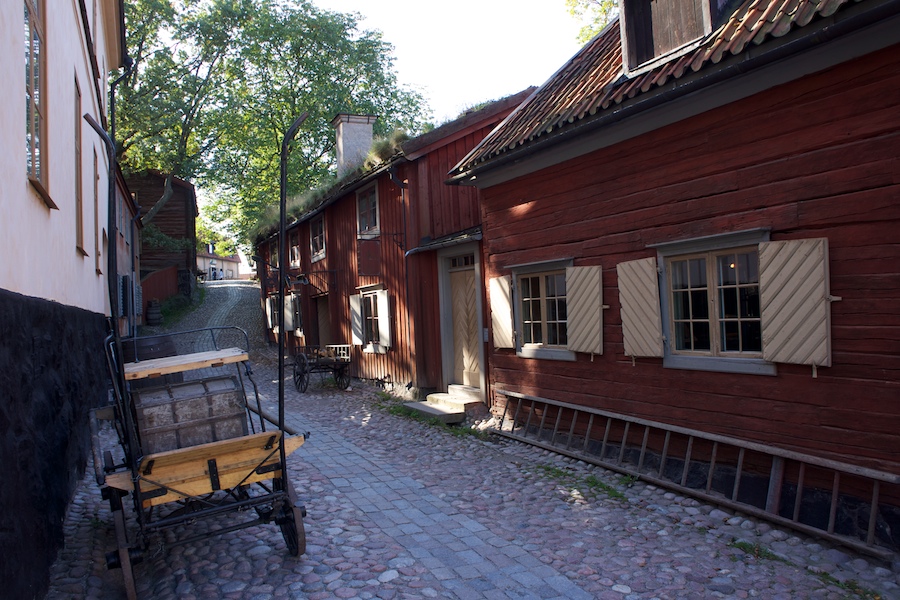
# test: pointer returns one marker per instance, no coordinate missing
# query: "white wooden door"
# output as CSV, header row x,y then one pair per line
x,y
466,369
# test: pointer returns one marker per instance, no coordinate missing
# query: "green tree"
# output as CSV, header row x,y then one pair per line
x,y
217,83
595,14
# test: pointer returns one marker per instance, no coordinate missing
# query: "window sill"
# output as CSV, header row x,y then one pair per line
x,y
745,366
42,192
375,349
371,234
546,354
316,258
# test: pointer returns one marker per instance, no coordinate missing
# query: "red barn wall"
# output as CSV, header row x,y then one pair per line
x,y
813,158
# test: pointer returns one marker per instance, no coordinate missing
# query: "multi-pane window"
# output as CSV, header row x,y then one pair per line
x,y
544,317
370,319
34,87
367,211
715,305
317,238
295,249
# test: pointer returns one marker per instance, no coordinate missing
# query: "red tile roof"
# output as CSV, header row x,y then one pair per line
x,y
592,82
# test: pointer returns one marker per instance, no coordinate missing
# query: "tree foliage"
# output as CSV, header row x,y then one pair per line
x,y
595,14
216,83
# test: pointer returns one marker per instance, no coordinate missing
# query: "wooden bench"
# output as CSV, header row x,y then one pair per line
x,y
156,367
200,470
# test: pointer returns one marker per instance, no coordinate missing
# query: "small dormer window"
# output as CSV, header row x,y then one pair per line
x,y
654,28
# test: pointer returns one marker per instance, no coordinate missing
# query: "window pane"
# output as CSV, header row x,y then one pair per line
x,y
562,310
552,334
750,302
679,271
748,268
701,336
698,272
727,270
751,336
535,310
731,341
683,337
728,303
699,304
551,311
681,305
537,336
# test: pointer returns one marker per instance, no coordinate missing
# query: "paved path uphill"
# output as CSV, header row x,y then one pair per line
x,y
398,509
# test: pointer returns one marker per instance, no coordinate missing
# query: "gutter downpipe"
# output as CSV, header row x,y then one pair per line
x,y
790,48
404,200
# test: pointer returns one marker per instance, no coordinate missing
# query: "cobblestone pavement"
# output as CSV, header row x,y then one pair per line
x,y
400,509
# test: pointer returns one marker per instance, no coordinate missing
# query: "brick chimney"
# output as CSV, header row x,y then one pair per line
x,y
354,140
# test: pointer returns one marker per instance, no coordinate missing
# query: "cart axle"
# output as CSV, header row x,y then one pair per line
x,y
114,562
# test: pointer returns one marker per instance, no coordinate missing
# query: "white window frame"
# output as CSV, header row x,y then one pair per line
x,y
294,251
314,253
36,100
749,363
531,350
378,298
371,230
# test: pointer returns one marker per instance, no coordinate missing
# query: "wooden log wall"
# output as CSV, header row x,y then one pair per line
x,y
813,158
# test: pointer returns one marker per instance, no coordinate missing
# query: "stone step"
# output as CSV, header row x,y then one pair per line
x,y
451,400
465,391
442,412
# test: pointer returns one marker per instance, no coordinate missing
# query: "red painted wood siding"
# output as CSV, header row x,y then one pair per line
x,y
813,158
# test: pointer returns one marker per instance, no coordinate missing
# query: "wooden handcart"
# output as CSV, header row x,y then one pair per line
x,y
194,455
333,359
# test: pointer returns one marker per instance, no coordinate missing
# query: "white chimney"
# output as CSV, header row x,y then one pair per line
x,y
354,140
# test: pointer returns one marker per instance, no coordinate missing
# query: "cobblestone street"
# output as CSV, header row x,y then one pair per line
x,y
400,509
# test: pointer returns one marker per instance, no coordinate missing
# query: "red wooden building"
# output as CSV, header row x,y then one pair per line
x,y
393,260
702,233
167,271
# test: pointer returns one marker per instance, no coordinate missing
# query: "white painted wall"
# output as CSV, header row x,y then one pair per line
x,y
37,244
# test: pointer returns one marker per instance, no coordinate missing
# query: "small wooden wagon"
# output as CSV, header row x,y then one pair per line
x,y
193,453
334,359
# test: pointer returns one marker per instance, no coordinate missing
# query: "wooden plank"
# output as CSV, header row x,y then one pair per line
x,y
186,470
156,367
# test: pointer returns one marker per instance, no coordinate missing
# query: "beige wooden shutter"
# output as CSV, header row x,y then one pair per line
x,y
356,318
639,297
795,302
584,306
501,311
384,318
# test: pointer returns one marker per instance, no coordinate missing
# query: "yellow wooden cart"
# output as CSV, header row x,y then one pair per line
x,y
191,448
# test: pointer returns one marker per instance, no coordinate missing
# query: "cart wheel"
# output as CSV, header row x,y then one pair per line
x,y
342,378
301,373
291,524
290,521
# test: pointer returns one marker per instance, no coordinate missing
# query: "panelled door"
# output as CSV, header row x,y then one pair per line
x,y
464,310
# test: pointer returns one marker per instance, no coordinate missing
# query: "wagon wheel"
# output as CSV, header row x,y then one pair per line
x,y
342,377
290,521
301,373
123,550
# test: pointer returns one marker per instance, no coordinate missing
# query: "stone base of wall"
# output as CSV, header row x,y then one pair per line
x,y
52,371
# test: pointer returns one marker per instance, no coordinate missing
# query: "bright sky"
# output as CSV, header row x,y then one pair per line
x,y
459,53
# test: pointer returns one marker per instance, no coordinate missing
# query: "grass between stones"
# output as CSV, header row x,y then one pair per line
x,y
394,406
590,483
760,552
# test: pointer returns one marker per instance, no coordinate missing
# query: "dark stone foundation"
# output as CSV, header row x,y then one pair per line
x,y
52,371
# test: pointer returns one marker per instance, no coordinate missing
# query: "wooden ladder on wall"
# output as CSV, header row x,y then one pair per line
x,y
817,496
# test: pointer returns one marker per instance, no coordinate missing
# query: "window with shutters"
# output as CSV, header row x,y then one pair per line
x,y
735,303
370,320
548,310
295,250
